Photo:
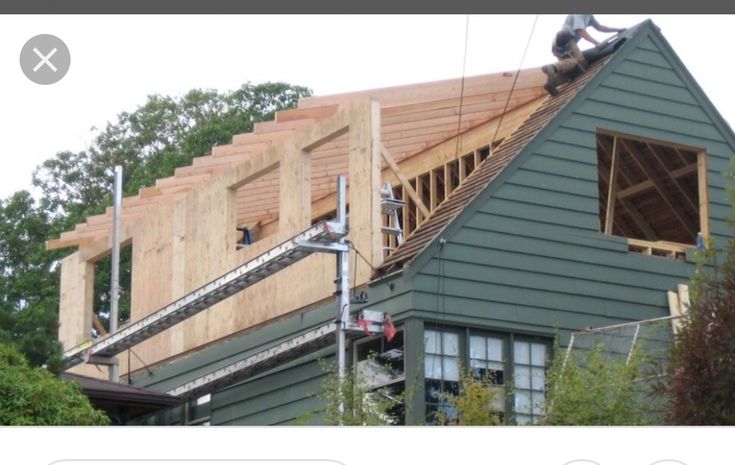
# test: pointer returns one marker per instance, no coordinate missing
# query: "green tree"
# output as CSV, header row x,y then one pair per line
x,y
701,364
28,281
362,405
474,403
594,389
151,142
33,396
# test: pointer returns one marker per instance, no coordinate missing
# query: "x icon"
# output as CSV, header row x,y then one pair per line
x,y
45,59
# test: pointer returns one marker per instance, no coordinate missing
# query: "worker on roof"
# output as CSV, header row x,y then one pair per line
x,y
564,47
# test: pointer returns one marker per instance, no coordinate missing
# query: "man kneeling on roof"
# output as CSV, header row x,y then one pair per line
x,y
565,48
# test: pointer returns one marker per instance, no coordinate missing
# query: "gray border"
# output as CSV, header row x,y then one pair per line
x,y
365,7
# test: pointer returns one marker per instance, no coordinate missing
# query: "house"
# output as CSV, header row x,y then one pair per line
x,y
530,217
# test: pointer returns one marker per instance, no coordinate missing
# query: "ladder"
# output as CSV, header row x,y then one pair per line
x,y
321,237
305,343
389,205
308,342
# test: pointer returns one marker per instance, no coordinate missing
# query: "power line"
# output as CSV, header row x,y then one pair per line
x,y
515,80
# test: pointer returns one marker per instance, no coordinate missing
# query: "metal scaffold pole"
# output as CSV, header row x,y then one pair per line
x,y
343,293
115,280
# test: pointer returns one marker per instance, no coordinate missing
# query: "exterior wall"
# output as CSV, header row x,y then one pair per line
x,y
530,257
285,395
183,244
527,257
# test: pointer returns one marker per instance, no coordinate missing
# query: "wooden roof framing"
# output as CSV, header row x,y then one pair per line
x,y
655,195
417,123
474,184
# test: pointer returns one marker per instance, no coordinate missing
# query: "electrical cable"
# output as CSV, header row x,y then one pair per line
x,y
150,373
375,270
515,80
461,91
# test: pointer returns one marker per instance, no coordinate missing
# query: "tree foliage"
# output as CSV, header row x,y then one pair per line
x,y
702,360
151,142
28,290
33,396
473,405
362,405
595,389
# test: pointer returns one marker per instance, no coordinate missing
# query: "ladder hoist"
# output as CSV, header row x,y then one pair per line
x,y
322,237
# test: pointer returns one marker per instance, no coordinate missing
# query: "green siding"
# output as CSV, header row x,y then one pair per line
x,y
284,395
528,255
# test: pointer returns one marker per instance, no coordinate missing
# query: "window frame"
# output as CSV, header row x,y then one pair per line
x,y
667,248
509,339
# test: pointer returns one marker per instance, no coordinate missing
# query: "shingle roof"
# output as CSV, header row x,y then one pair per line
x,y
479,179
124,393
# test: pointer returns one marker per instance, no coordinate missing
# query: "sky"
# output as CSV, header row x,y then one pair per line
x,y
116,61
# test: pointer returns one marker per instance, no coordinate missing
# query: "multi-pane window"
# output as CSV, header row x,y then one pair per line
x,y
486,356
529,378
441,370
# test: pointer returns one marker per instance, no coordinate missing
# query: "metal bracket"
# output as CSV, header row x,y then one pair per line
x,y
323,247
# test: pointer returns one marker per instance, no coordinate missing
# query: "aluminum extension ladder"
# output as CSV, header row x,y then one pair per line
x,y
389,205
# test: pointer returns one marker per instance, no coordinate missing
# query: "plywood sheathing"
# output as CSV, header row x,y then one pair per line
x,y
413,118
76,300
184,228
190,241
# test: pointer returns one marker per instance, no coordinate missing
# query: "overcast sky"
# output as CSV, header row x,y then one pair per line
x,y
118,60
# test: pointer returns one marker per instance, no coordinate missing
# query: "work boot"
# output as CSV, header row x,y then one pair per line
x,y
550,85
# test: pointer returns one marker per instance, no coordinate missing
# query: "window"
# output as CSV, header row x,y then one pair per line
x,y
529,380
487,357
198,411
441,372
379,363
652,192
254,208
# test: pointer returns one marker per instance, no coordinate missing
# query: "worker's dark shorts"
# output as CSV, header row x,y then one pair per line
x,y
562,38
560,45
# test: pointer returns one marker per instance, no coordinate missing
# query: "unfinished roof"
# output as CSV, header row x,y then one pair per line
x,y
414,119
479,179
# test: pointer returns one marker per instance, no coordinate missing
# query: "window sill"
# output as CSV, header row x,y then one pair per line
x,y
672,250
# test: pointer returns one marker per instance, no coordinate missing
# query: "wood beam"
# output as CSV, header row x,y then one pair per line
x,y
407,189
477,158
659,158
625,172
500,83
433,190
658,185
612,189
294,192
54,244
646,185
98,325
462,169
364,185
639,220
703,194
